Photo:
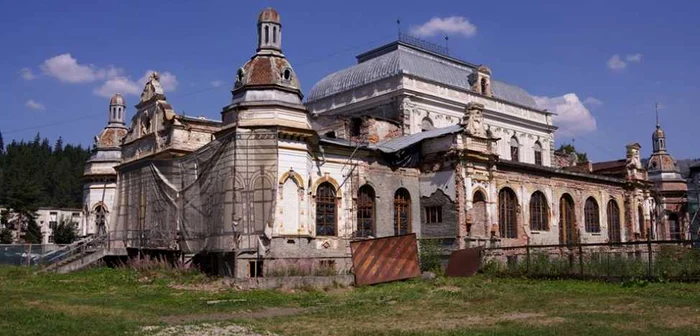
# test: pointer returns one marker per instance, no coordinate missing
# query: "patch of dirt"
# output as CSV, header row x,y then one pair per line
x,y
243,315
209,286
201,330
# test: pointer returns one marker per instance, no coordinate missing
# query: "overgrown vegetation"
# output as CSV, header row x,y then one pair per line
x,y
581,157
669,263
65,232
121,301
431,255
299,267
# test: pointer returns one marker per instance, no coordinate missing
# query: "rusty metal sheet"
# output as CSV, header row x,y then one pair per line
x,y
464,263
385,259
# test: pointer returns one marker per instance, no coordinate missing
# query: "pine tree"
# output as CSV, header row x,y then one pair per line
x,y
2,145
6,236
33,234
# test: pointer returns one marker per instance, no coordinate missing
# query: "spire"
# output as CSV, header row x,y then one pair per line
x,y
269,30
658,139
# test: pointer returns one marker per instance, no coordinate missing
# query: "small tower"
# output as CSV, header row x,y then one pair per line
x,y
99,176
117,107
269,30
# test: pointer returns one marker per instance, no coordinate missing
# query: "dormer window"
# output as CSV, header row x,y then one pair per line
x,y
355,127
426,124
484,86
239,76
287,74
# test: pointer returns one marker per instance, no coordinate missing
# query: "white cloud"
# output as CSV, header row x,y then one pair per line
x,y
572,117
634,58
27,74
121,85
616,63
216,83
593,102
34,105
449,25
127,86
67,69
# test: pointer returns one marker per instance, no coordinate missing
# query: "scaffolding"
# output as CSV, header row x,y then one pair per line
x,y
219,198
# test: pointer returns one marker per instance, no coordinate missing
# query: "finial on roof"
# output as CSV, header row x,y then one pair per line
x,y
398,25
656,107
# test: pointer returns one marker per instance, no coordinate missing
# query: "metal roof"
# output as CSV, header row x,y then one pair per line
x,y
401,58
397,144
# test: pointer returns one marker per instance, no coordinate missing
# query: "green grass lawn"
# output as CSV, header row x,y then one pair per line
x,y
118,301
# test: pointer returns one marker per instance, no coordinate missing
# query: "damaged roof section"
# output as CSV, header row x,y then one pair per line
x,y
396,144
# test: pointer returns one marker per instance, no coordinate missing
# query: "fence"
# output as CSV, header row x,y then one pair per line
x,y
672,260
25,254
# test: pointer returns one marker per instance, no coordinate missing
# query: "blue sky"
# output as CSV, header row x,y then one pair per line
x,y
601,64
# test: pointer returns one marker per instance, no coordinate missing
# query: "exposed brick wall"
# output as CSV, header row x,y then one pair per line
x,y
448,226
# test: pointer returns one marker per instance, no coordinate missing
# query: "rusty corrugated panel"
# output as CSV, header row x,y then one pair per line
x,y
464,263
385,259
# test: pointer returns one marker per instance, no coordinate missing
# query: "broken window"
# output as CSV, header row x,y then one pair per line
x,y
365,211
433,214
591,215
484,86
507,213
402,212
255,268
675,227
613,213
539,212
355,127
326,210
640,219
514,149
538,153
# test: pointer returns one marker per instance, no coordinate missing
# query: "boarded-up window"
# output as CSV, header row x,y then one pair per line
x,y
507,213
402,212
326,210
675,227
568,232
365,211
640,220
613,213
591,215
539,212
290,206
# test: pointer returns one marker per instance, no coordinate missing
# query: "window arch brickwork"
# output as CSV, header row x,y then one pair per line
x,y
507,213
366,211
613,214
402,212
539,212
591,215
326,210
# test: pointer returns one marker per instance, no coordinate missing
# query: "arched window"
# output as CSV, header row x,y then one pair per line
x,y
507,213
613,213
326,210
538,153
591,215
514,149
267,34
426,124
365,211
479,221
640,221
262,202
402,212
539,212
675,227
274,34
568,232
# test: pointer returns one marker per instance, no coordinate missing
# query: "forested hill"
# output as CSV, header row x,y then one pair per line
x,y
36,174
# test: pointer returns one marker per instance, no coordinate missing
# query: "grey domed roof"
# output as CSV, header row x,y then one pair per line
x,y
405,59
117,99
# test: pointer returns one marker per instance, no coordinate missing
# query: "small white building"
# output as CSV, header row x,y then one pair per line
x,y
49,218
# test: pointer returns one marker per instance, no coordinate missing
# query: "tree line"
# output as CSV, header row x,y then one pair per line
x,y
37,174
